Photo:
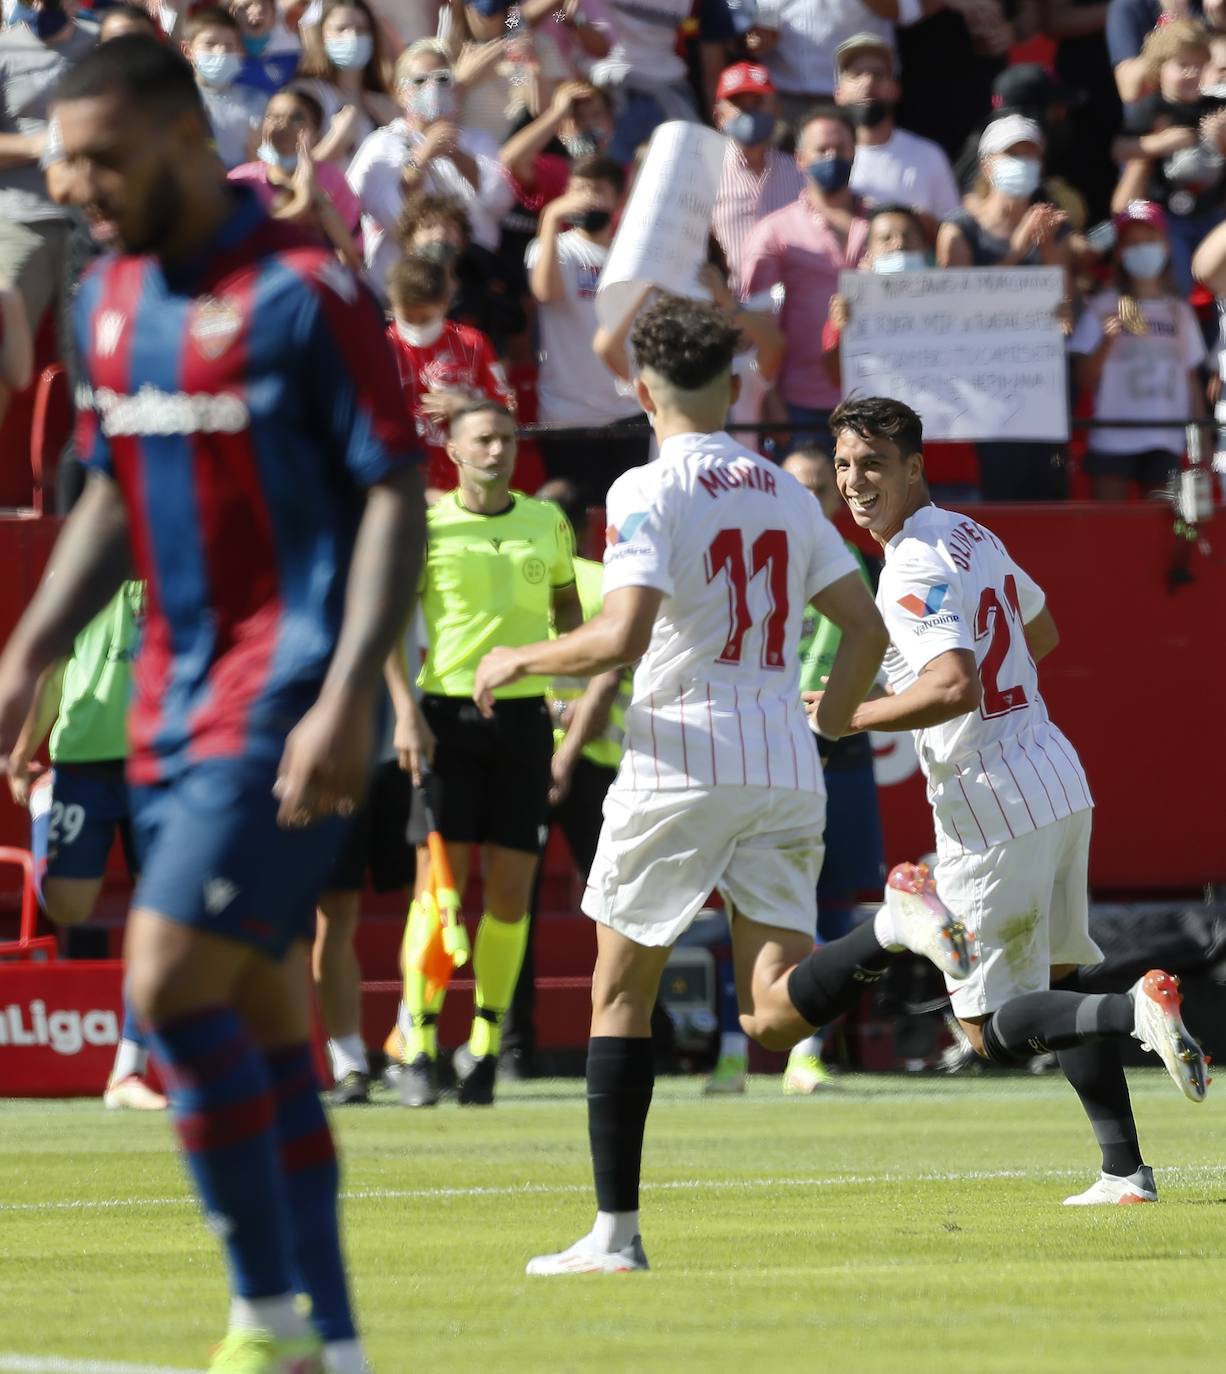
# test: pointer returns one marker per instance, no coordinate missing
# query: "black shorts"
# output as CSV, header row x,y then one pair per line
x,y
1151,468
491,777
379,840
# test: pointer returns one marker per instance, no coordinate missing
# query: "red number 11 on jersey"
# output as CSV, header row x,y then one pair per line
x,y
769,550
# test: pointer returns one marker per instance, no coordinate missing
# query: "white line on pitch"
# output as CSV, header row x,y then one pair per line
x,y
56,1364
669,1185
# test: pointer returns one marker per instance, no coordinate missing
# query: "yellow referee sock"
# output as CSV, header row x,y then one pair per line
x,y
421,1036
497,959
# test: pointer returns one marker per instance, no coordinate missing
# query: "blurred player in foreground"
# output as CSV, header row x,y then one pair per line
x,y
1010,800
249,453
712,554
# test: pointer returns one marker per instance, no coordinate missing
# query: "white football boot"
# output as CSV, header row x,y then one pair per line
x,y
1111,1189
1159,1027
924,924
585,1257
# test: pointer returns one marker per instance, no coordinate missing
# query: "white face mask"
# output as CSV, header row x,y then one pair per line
x,y
420,335
218,69
1018,177
430,101
349,51
889,263
1144,259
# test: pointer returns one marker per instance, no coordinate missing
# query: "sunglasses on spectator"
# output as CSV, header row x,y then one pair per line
x,y
441,77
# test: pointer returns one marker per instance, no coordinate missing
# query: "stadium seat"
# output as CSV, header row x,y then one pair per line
x,y
49,431
29,945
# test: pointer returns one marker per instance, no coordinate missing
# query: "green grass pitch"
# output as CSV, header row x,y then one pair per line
x,y
889,1226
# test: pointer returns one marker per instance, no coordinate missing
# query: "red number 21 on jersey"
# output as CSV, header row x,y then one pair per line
x,y
991,618
768,551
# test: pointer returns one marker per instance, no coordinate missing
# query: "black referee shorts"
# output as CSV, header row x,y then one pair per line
x,y
491,777
378,841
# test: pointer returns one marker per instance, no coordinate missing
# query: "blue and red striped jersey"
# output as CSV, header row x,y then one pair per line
x,y
242,401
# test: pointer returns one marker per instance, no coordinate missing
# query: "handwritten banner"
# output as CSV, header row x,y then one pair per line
x,y
662,238
977,353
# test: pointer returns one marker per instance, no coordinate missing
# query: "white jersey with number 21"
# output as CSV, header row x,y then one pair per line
x,y
1002,770
737,547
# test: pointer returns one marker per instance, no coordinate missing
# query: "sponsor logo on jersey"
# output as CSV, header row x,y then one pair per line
x,y
218,894
152,411
66,1032
930,605
107,332
534,571
629,527
215,325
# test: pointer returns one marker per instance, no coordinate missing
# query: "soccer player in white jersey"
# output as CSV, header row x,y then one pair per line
x,y
1009,797
712,553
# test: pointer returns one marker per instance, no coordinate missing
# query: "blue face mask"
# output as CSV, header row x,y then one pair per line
x,y
349,51
271,158
219,69
255,43
1144,259
830,174
889,263
750,128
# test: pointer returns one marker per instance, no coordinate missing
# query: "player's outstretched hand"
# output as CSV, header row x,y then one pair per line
x,y
18,686
324,767
495,670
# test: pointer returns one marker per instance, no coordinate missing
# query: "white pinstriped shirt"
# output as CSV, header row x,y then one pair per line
x,y
744,197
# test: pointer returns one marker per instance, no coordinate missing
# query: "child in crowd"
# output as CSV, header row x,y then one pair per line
x,y
1139,349
215,48
443,365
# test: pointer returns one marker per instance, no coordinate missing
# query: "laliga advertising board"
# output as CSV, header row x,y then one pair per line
x,y
59,1025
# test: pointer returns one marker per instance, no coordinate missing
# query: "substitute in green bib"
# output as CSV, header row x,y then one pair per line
x,y
77,808
499,571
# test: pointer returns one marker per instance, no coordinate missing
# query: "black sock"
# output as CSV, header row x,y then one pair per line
x,y
620,1077
1040,1022
832,978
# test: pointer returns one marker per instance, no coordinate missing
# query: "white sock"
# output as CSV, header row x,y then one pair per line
x,y
883,929
404,1021
279,1316
348,1055
615,1230
130,1058
733,1045
345,1357
810,1048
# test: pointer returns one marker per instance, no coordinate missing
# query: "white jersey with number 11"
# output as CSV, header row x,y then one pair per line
x,y
1004,769
738,548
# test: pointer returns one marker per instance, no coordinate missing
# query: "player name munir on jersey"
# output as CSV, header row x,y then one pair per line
x,y
736,475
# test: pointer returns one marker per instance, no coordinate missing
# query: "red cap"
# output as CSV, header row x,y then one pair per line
x,y
744,78
1141,212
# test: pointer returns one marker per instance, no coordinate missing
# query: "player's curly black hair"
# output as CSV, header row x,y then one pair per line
x,y
879,417
687,342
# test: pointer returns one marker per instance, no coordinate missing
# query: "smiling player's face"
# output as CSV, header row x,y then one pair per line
x,y
880,486
122,174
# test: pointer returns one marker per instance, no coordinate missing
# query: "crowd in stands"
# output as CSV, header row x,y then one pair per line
x,y
471,162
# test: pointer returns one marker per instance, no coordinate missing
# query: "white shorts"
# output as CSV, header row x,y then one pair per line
x,y
662,854
1027,901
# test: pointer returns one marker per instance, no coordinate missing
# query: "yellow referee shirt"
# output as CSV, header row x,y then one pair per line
x,y
488,583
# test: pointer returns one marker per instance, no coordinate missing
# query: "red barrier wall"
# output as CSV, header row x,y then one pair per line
x,y
1136,684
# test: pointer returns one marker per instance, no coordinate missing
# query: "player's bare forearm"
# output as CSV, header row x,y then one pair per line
x,y
947,688
42,715
90,560
852,675
382,583
591,711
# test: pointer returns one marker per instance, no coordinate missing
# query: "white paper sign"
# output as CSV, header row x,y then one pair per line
x,y
662,238
978,352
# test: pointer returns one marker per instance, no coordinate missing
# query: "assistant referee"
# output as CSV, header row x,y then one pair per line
x,y
499,571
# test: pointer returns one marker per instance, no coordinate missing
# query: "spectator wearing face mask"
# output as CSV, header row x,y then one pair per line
x,y
425,150
564,266
803,248
39,44
892,166
444,366
437,227
756,179
896,243
1139,350
235,112
1175,143
345,66
271,52
292,185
